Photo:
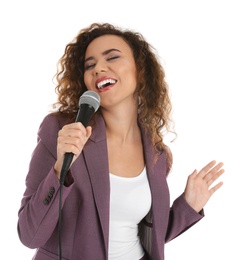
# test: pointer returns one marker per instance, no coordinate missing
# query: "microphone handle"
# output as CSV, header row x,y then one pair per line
x,y
84,114
66,164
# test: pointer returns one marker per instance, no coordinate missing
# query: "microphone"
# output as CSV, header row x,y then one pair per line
x,y
89,103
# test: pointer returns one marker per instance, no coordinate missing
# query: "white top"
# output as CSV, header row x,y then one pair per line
x,y
130,201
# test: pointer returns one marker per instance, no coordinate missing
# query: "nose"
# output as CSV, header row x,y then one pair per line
x,y
100,67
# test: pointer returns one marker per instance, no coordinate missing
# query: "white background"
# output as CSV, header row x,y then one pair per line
x,y
197,43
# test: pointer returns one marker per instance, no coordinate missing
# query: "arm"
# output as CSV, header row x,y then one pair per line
x,y
188,208
182,217
38,214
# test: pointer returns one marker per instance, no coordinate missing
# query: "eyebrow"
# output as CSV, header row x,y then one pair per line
x,y
103,53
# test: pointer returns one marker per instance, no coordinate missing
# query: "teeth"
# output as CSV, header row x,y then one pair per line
x,y
104,82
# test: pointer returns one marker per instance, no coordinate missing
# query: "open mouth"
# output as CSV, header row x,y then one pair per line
x,y
105,83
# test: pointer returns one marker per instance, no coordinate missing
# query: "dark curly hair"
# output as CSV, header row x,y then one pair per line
x,y
155,106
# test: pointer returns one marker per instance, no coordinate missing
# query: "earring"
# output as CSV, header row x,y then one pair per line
x,y
139,100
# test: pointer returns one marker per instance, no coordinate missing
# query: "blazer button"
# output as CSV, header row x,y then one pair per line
x,y
46,201
52,190
49,197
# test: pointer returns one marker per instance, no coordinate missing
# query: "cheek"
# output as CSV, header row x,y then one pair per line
x,y
131,76
86,80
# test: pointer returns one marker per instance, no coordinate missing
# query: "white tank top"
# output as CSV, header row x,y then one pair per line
x,y
130,201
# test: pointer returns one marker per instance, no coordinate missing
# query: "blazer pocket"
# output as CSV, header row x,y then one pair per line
x,y
145,233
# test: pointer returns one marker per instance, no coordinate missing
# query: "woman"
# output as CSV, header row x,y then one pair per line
x,y
118,173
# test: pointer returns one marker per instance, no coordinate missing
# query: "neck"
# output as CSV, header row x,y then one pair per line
x,y
121,124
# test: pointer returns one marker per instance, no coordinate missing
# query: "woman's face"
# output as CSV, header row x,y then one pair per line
x,y
110,70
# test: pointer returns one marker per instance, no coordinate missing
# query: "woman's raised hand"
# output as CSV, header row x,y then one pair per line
x,y
198,189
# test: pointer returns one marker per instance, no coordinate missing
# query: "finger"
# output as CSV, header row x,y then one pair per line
x,y
213,177
72,144
88,131
215,188
66,146
213,171
71,137
193,174
206,169
72,129
75,125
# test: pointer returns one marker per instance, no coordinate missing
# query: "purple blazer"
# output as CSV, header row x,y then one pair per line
x,y
85,214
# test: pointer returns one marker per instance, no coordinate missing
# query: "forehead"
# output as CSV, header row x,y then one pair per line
x,y
106,42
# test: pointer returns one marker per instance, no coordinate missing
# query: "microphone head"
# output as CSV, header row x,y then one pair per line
x,y
91,98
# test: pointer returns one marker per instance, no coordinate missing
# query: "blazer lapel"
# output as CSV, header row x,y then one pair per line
x,y
156,172
96,158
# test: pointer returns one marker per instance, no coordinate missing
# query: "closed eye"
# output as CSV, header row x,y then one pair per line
x,y
113,57
92,65
89,66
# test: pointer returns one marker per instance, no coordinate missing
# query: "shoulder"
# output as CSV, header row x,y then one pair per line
x,y
160,154
50,123
49,127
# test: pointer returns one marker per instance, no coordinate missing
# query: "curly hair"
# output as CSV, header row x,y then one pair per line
x,y
155,105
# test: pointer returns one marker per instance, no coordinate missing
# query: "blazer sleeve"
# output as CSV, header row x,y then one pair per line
x,y
39,210
181,218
